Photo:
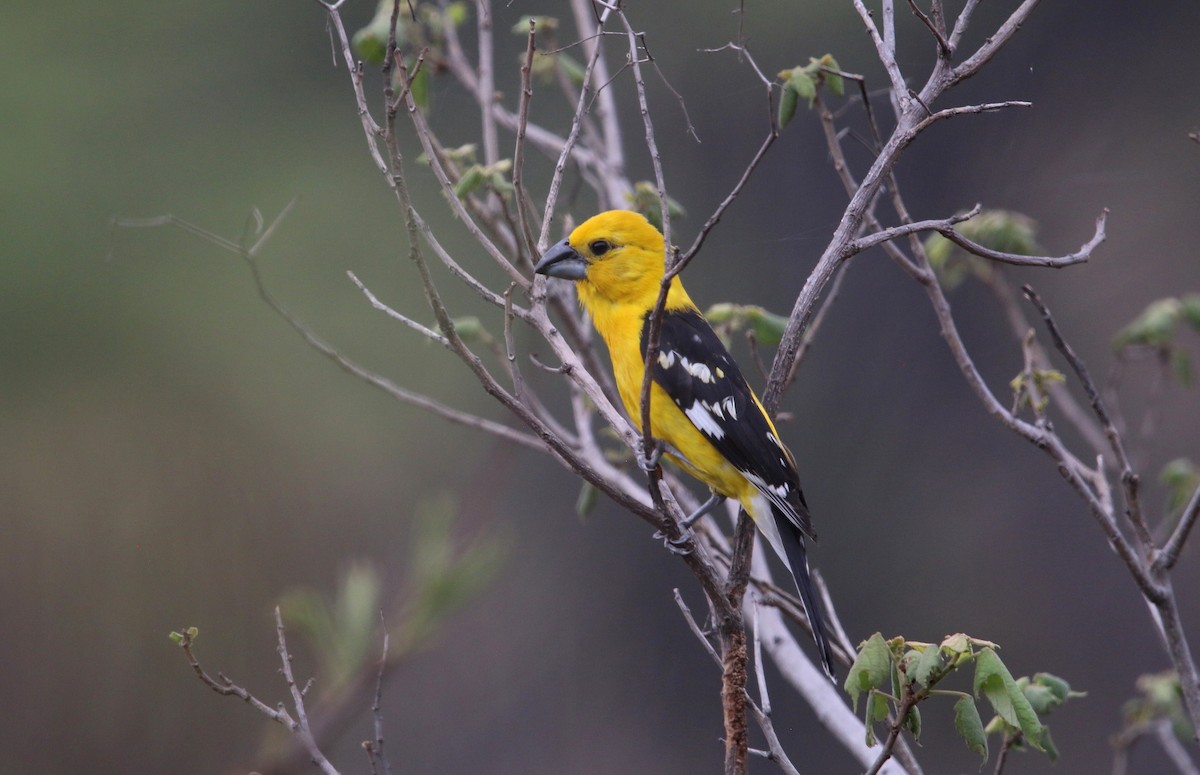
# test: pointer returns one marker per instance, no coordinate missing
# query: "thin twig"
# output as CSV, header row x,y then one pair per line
x,y
377,705
887,56
594,62
940,225
1128,477
944,50
1054,262
885,753
1169,554
302,729
969,110
994,42
518,175
225,687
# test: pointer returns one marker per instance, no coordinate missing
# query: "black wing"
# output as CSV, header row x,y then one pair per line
x,y
701,377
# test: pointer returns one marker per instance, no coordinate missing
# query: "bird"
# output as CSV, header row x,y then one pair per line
x,y
706,415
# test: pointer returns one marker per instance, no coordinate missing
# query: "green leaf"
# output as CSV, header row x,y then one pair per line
x,y
788,99
1046,744
645,201
1180,478
871,668
470,329
1190,309
1061,689
804,84
370,42
1001,230
929,660
1181,364
969,726
875,709
179,637
457,13
957,644
586,502
572,69
1041,698
878,707
767,326
912,722
833,80
1155,327
341,630
997,684
419,89
471,180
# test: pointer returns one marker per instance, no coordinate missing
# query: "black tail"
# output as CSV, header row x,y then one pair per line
x,y
793,544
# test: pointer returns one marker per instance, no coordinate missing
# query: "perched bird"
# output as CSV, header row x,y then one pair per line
x,y
701,408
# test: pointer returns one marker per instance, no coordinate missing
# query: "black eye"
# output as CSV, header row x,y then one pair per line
x,y
599,247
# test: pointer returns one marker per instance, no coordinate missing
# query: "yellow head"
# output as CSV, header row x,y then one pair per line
x,y
616,257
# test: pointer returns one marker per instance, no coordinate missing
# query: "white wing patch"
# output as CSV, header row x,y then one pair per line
x,y
698,370
702,418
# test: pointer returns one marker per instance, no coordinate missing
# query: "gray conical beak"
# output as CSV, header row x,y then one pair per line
x,y
562,261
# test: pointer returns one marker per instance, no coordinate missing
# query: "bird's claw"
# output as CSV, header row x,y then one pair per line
x,y
649,461
677,545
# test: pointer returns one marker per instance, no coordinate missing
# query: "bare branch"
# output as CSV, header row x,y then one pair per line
x,y
613,184
226,688
944,50
887,56
994,42
566,146
487,82
424,331
377,749
518,175
302,729
713,219
371,129
1054,262
968,110
961,24
1128,477
941,225
1061,396
1169,554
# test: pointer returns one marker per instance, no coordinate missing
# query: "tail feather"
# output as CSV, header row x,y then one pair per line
x,y
797,558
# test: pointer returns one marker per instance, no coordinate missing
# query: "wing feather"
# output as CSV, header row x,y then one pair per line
x,y
698,373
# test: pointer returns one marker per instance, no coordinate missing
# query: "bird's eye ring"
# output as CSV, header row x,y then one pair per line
x,y
599,247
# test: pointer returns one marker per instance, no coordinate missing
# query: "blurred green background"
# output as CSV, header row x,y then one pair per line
x,y
172,454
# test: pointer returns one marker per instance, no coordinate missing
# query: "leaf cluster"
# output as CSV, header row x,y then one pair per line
x,y
1160,699
727,319
896,675
443,576
803,81
1001,230
419,31
646,201
1157,329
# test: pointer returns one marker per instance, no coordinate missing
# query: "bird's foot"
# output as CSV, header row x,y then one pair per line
x,y
678,545
648,460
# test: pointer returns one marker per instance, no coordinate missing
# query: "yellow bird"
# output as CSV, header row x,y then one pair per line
x,y
712,423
